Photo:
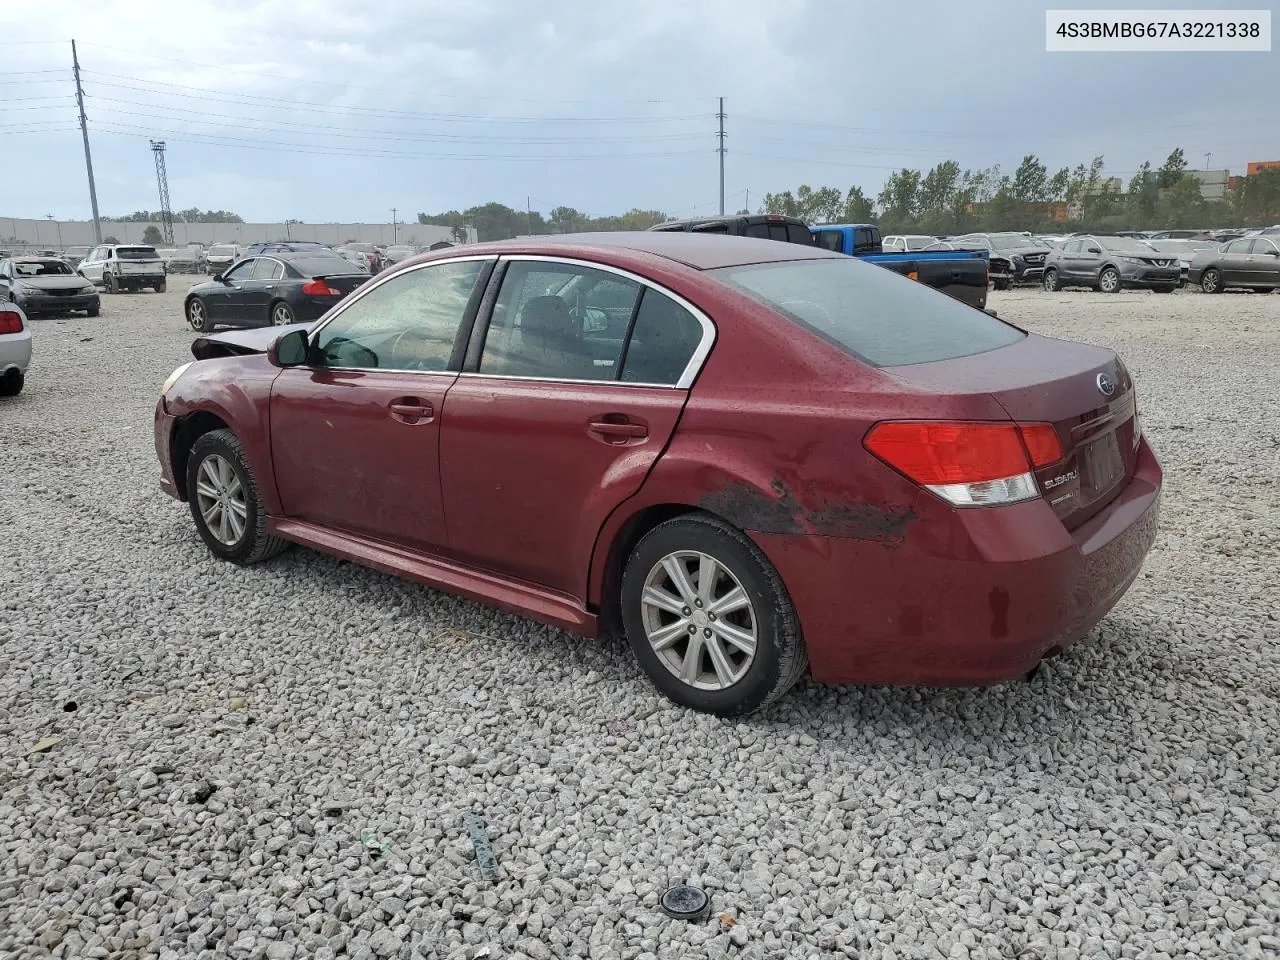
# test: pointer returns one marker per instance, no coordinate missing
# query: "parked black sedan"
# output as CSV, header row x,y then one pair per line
x,y
276,288
1111,264
46,285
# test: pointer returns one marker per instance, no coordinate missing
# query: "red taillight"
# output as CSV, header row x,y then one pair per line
x,y
1042,443
942,453
319,288
967,464
10,321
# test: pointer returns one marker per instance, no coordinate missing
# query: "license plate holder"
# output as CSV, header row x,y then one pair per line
x,y
1103,463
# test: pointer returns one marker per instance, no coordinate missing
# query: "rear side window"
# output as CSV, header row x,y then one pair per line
x,y
662,341
758,230
711,228
830,240
872,313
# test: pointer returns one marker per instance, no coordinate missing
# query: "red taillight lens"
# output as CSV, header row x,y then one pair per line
x,y
319,288
10,321
939,454
1042,443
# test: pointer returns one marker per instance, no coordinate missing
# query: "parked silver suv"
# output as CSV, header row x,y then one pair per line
x,y
124,266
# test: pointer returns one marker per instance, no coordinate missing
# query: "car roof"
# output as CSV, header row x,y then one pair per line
x,y
702,251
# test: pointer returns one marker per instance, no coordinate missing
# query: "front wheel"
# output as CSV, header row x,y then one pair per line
x,y
223,495
94,311
111,283
709,618
1211,281
160,287
1109,280
1000,284
281,315
198,315
1050,280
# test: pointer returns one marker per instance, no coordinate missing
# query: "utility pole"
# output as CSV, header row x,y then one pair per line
x,y
162,180
394,235
528,212
1206,160
84,132
747,202
720,150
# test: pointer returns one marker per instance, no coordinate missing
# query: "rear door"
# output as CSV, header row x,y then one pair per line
x,y
1235,261
252,305
546,432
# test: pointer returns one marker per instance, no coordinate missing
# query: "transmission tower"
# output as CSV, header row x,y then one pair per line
x,y
166,215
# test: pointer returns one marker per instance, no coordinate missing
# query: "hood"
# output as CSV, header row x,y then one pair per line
x,y
1026,251
240,343
54,282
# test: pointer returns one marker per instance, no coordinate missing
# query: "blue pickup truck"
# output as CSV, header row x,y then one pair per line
x,y
958,273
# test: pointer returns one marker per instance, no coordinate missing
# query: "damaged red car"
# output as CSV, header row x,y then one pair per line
x,y
757,460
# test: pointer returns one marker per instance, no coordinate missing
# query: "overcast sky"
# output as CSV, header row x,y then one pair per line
x,y
339,110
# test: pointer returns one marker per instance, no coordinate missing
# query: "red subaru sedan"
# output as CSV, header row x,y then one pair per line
x,y
756,459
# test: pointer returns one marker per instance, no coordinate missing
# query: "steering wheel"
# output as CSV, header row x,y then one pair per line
x,y
404,356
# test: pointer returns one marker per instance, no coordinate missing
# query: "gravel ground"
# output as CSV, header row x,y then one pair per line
x,y
276,762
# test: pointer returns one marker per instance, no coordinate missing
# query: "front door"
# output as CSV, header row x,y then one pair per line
x,y
1263,265
223,299
355,434
557,425
91,265
1235,262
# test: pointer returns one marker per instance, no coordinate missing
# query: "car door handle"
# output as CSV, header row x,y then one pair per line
x,y
616,428
411,410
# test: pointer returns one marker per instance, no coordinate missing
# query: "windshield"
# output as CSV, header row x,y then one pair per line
x,y
137,253
319,266
1126,246
222,250
1014,241
40,268
871,312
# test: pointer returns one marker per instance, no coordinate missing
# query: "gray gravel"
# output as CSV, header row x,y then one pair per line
x,y
276,762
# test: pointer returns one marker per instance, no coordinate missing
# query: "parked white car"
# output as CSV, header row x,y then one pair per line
x,y
220,256
901,243
15,349
124,267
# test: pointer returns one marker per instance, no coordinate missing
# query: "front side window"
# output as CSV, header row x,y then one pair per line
x,y
241,271
409,322
558,322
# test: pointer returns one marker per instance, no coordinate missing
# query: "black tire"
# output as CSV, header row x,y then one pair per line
x,y
161,287
94,311
11,383
198,316
1109,280
1001,284
280,314
253,544
1211,281
111,283
1050,281
779,659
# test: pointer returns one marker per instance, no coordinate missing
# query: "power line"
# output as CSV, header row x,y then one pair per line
x,y
241,98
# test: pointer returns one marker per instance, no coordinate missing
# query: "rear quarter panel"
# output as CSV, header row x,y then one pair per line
x,y
237,390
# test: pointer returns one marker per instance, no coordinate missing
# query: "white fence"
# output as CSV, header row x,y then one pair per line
x,y
60,234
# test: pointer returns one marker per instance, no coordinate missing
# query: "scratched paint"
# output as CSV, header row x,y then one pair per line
x,y
783,513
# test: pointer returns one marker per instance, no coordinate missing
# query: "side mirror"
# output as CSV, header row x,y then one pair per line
x,y
289,350
217,278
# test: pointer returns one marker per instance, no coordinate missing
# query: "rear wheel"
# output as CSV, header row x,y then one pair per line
x,y
1109,280
11,383
281,315
111,283
161,286
198,315
1050,280
1211,281
223,495
709,618
94,311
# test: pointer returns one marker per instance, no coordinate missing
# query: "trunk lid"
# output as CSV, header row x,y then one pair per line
x,y
346,282
1042,380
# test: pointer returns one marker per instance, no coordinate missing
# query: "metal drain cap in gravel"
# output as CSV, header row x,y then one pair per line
x,y
683,902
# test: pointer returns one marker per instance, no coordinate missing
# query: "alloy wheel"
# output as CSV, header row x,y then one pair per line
x,y
699,620
281,315
1109,281
1209,282
196,315
221,498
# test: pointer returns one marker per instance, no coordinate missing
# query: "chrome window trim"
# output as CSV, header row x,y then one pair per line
x,y
347,302
696,360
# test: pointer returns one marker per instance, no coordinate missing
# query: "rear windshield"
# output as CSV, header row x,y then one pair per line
x,y
918,243
871,312
40,268
137,253
322,266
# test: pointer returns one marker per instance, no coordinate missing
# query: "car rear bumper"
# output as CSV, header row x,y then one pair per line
x,y
50,303
15,352
165,424
969,596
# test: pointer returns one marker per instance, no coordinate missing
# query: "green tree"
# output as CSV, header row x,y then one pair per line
x,y
1030,181
1255,200
899,201
936,196
152,235
566,219
1181,204
857,207
1141,197
1172,171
